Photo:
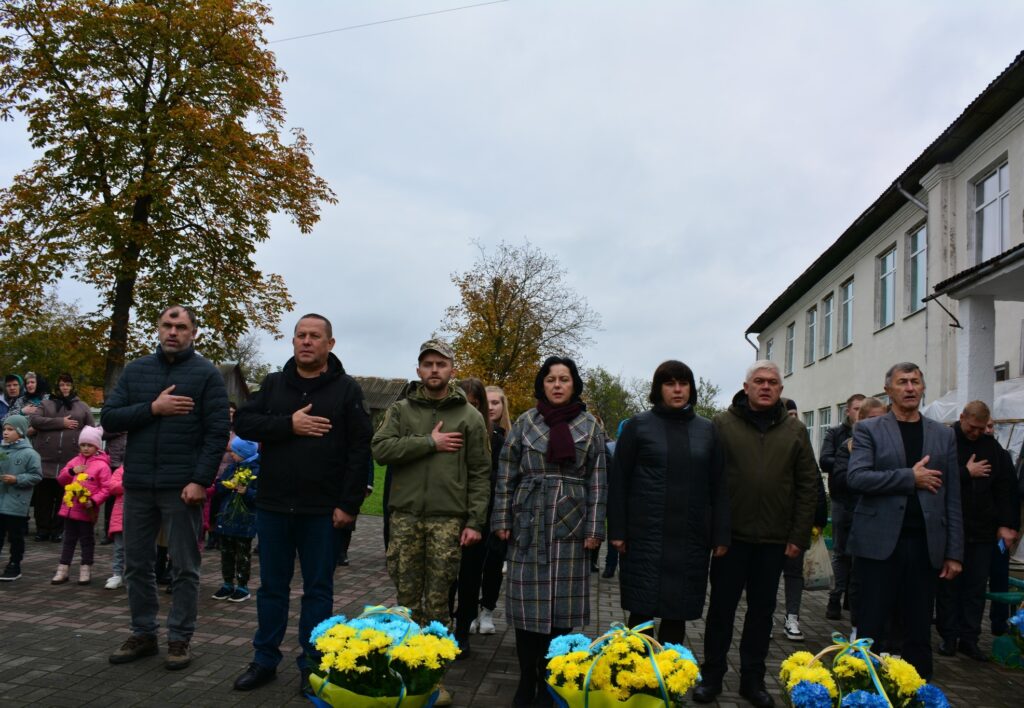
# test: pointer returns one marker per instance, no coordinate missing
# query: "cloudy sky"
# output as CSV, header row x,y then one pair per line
x,y
684,160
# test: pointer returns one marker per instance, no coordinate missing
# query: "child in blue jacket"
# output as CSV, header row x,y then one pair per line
x,y
236,521
20,470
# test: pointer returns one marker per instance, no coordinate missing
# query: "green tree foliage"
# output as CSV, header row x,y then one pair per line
x,y
158,129
707,403
515,309
53,337
610,398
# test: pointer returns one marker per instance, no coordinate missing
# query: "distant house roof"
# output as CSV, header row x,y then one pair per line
x,y
380,393
997,98
234,380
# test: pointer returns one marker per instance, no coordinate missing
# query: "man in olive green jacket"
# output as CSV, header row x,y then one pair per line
x,y
773,489
436,446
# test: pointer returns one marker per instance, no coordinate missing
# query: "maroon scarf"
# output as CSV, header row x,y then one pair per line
x,y
561,447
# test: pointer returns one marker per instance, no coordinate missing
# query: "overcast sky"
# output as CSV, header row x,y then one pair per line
x,y
684,160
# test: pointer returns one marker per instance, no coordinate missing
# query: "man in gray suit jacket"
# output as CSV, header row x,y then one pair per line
x,y
907,527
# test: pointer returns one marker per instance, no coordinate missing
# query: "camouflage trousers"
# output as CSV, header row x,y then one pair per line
x,y
423,562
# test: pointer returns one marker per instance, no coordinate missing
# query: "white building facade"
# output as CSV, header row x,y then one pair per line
x,y
932,272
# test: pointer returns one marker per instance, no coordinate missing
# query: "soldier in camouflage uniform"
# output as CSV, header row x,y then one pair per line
x,y
436,445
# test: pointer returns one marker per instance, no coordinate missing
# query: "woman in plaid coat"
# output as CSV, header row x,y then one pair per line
x,y
549,504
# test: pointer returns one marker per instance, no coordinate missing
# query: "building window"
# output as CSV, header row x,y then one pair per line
x,y
790,343
885,266
824,423
1003,371
769,349
846,314
992,212
812,334
809,422
827,307
917,254
842,411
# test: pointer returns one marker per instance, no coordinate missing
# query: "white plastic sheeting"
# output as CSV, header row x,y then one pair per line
x,y
1008,408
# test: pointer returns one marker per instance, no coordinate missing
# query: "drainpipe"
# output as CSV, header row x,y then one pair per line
x,y
911,198
756,348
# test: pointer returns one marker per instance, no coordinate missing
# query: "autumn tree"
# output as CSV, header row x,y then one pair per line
x,y
158,130
707,403
246,353
609,397
54,337
515,309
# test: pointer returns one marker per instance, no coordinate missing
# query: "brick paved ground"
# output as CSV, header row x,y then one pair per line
x,y
54,642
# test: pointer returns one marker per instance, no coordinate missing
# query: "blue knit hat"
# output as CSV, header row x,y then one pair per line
x,y
246,449
19,423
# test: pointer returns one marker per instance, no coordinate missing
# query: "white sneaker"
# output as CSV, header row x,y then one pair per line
x,y
474,626
792,627
114,582
486,621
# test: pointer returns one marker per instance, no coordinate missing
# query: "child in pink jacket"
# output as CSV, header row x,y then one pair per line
x,y
90,470
115,529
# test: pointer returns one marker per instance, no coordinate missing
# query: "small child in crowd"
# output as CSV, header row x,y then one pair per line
x,y
236,521
86,482
20,470
115,529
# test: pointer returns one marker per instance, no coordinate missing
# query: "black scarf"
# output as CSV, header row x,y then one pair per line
x,y
65,401
561,447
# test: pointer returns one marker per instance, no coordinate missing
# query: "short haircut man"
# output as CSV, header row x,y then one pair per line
x,y
315,435
908,528
772,478
175,406
435,443
991,513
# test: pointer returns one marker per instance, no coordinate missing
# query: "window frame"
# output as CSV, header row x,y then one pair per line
x,y
885,282
769,348
846,313
790,349
810,334
913,303
825,347
1002,199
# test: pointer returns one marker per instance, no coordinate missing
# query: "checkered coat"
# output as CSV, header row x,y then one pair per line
x,y
550,509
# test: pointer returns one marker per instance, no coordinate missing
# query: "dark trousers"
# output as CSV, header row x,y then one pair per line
x,y
756,568
669,630
999,581
841,562
611,559
76,531
342,541
236,560
904,584
13,528
531,649
479,570
282,537
960,602
46,499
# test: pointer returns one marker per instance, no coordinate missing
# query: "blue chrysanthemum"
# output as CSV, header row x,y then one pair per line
x,y
438,630
810,695
864,699
683,651
567,643
932,697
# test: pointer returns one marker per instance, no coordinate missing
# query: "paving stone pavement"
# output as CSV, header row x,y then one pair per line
x,y
54,642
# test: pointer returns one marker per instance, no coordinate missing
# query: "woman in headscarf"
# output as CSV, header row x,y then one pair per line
x,y
549,505
57,424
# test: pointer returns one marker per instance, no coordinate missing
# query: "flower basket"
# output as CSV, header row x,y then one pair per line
x,y
380,658
1008,650
857,678
623,668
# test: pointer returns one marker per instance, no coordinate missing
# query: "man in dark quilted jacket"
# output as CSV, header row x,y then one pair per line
x,y
174,407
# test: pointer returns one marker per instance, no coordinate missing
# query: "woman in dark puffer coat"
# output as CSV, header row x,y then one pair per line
x,y
668,505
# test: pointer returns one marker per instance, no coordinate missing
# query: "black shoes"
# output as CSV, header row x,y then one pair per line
x,y
707,692
757,695
608,573
834,610
11,572
342,560
971,650
305,687
42,537
947,647
254,677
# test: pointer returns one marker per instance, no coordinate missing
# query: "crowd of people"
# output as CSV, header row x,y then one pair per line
x,y
923,515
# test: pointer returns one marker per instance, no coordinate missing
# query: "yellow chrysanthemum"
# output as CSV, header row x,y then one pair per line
x,y
849,667
795,660
812,674
903,674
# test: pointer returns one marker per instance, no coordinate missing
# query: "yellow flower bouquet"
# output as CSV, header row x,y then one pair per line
x,y
75,492
857,678
380,659
236,510
623,668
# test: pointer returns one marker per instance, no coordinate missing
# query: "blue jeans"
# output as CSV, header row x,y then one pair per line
x,y
281,537
145,512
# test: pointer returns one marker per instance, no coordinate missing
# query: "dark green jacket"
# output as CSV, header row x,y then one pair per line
x,y
772,475
430,483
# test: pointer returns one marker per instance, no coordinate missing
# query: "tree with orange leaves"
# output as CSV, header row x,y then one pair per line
x,y
158,127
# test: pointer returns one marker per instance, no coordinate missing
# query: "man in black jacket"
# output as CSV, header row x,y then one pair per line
x,y
987,496
175,405
315,436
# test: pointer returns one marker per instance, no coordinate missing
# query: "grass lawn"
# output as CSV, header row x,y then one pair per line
x,y
373,505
